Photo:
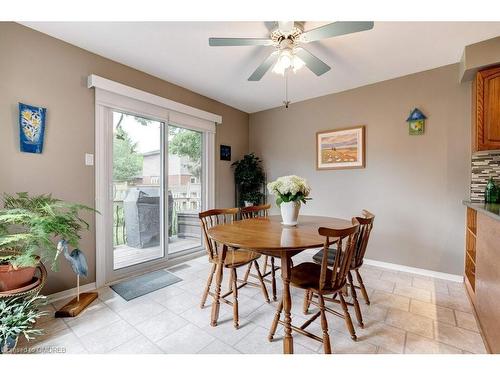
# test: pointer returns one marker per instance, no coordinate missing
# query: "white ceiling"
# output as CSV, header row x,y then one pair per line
x,y
178,52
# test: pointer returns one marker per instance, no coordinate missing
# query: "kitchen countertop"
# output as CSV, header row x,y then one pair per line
x,y
491,209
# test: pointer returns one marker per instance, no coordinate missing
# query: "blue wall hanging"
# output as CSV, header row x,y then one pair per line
x,y
31,128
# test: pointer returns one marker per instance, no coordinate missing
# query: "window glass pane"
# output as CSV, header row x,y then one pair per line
x,y
137,190
184,188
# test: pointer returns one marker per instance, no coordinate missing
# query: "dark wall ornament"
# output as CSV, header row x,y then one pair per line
x,y
225,152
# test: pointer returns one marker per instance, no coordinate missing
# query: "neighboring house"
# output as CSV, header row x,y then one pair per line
x,y
184,186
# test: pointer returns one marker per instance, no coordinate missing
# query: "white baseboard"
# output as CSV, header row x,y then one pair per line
x,y
70,292
418,271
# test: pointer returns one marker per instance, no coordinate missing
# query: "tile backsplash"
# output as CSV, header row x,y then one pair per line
x,y
484,166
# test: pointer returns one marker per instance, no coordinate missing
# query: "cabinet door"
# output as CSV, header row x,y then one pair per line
x,y
487,296
487,94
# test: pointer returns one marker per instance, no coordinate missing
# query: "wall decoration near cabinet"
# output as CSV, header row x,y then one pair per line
x,y
340,148
31,128
484,166
416,122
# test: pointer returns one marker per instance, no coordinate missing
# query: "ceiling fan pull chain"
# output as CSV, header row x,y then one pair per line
x,y
286,102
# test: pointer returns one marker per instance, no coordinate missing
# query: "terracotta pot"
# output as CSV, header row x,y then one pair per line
x,y
11,278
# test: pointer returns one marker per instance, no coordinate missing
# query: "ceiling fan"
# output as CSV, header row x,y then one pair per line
x,y
288,38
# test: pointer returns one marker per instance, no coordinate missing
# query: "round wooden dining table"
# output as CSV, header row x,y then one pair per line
x,y
266,235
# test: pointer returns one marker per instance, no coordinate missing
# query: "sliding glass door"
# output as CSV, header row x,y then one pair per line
x,y
157,192
154,173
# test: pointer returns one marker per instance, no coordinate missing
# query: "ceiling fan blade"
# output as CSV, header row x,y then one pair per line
x,y
317,66
264,67
335,29
285,26
222,42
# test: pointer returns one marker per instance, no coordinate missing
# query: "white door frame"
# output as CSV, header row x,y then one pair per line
x,y
105,103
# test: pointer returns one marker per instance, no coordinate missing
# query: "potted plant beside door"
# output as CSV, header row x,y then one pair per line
x,y
29,228
249,178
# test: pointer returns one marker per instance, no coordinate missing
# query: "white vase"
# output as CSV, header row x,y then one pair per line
x,y
290,212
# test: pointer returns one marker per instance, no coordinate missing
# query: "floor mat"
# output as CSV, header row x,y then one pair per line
x,y
144,284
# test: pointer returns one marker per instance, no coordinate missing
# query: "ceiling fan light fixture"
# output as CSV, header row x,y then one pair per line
x,y
287,60
298,63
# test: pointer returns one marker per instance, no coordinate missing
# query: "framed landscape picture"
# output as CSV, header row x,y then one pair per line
x,y
340,148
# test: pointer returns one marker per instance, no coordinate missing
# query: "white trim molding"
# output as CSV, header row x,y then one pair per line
x,y
70,292
417,271
131,92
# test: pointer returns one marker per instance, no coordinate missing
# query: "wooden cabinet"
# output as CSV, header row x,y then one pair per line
x,y
486,127
470,252
482,274
487,296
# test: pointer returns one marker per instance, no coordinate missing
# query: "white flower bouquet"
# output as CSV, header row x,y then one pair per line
x,y
290,189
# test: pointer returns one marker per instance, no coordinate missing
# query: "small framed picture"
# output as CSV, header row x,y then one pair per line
x,y
340,148
225,152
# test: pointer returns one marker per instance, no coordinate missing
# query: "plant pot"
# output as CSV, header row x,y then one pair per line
x,y
9,345
290,212
11,278
248,204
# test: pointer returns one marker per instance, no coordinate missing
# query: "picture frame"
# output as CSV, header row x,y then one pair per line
x,y
225,152
341,148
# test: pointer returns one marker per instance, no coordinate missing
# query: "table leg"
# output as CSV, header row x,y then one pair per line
x,y
218,282
287,302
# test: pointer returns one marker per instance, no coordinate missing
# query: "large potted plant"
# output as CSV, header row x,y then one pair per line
x,y
290,192
249,177
29,226
18,316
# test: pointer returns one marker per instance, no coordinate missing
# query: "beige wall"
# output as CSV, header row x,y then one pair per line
x,y
40,70
414,184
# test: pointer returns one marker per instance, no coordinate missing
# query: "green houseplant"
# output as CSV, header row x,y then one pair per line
x,y
18,316
249,177
28,227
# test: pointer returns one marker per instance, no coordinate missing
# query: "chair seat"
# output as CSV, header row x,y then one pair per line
x,y
332,253
318,257
237,258
307,275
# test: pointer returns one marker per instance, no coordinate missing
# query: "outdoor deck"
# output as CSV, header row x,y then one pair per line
x,y
125,256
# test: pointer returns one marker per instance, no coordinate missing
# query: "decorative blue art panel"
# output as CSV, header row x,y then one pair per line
x,y
31,128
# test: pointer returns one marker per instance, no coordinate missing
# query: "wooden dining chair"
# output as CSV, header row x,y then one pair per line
x,y
235,258
269,261
324,279
366,225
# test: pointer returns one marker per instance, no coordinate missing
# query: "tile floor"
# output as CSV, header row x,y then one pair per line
x,y
408,314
